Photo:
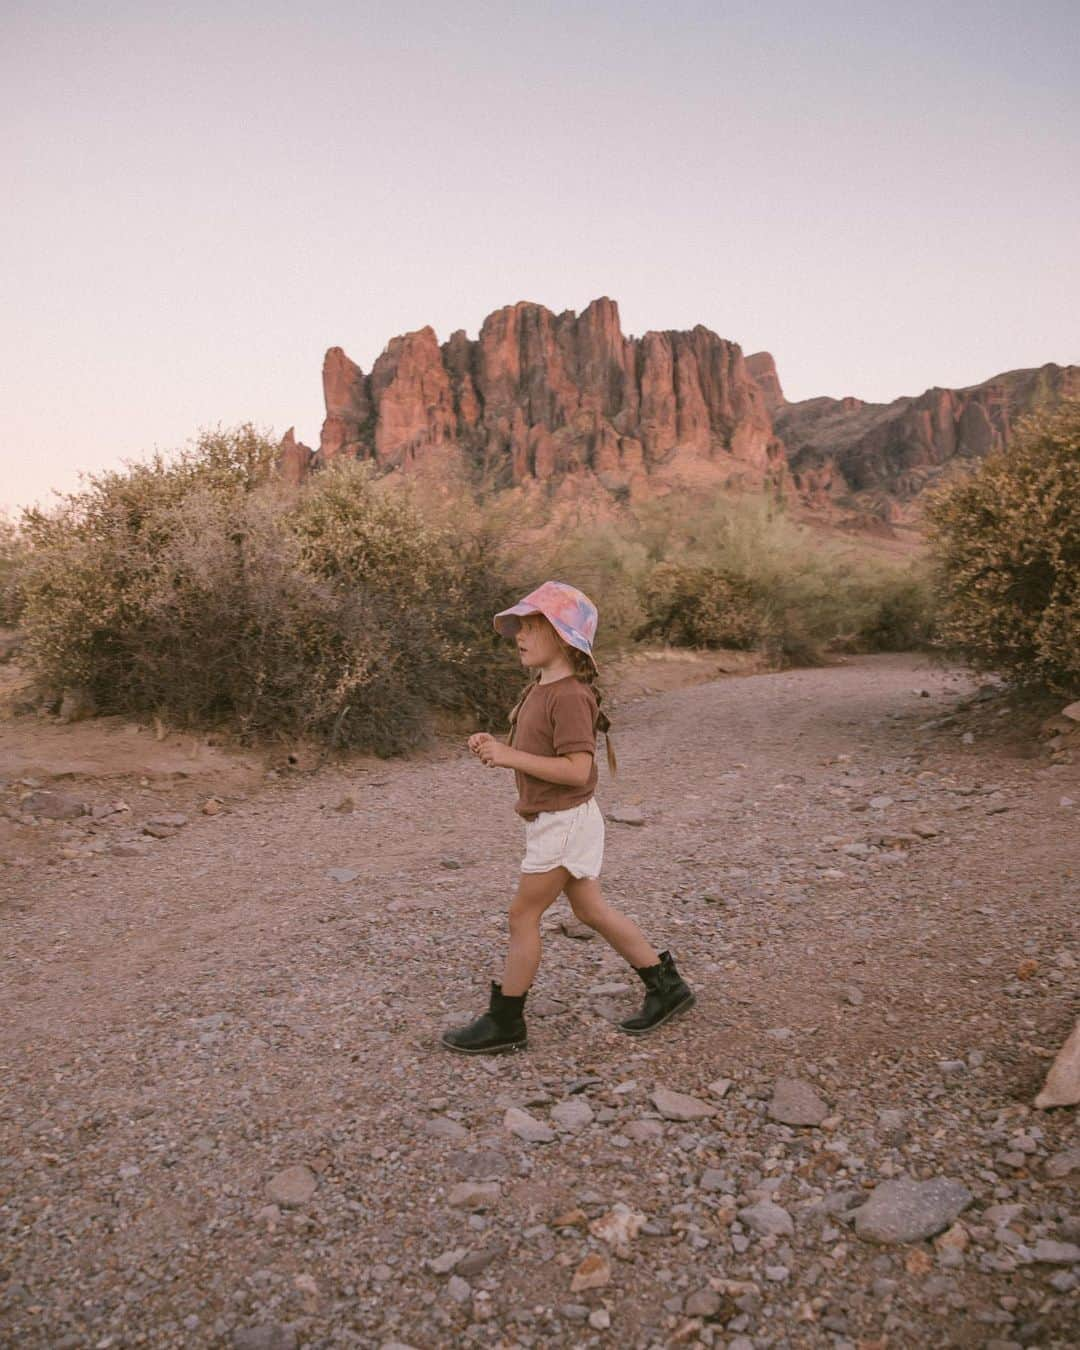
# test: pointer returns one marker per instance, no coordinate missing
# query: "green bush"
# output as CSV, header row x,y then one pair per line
x,y
1006,543
702,607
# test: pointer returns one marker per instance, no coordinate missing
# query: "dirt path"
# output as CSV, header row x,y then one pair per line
x,y
877,909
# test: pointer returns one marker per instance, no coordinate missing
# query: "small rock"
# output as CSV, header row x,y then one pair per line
x,y
1072,711
442,1127
293,1186
170,820
721,1087
908,1211
444,1264
342,874
796,1103
473,1195
1062,1164
627,815
472,1263
527,1127
880,803
459,1289
679,1106
213,806
574,928
703,1303
593,1273
573,1115
52,805
1052,1253
767,1219
619,1228
600,1319
642,1130
270,1336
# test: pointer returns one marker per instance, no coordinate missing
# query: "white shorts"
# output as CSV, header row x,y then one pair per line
x,y
573,839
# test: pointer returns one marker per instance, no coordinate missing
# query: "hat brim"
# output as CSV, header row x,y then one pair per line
x,y
506,627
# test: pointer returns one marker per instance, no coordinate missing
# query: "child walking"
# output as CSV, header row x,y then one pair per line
x,y
551,749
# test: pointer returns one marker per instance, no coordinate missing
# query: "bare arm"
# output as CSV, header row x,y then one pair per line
x,y
572,770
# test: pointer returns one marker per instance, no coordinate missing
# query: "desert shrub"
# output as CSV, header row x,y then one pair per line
x,y
197,590
12,555
1006,543
741,573
702,607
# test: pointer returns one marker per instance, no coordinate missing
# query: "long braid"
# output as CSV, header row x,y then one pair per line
x,y
586,672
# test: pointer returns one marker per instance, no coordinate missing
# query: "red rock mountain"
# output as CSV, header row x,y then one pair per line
x,y
545,396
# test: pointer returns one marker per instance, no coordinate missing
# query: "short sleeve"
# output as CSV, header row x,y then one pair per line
x,y
573,717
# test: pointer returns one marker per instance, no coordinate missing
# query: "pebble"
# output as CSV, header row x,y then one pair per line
x,y
269,1336
292,1187
908,1211
680,1106
594,1272
1056,1253
572,1115
642,1130
474,1195
795,1102
527,1127
342,874
442,1127
1061,1164
626,815
767,1219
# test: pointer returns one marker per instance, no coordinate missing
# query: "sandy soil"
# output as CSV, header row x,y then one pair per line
x,y
862,901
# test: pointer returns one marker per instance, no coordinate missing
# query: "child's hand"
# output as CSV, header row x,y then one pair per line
x,y
493,754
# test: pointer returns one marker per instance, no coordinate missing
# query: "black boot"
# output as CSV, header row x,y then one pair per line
x,y
501,1028
666,993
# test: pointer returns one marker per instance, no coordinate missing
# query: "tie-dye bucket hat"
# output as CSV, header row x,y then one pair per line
x,y
569,611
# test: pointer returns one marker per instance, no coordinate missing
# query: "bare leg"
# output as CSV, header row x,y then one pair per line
x,y
536,892
625,936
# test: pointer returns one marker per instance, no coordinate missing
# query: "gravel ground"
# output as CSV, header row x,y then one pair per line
x,y
225,1118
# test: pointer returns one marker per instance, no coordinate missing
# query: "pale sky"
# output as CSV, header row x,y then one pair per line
x,y
202,197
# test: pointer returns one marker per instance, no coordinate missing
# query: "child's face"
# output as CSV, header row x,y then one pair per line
x,y
538,643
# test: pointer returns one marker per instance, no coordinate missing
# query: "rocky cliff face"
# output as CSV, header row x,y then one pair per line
x,y
882,455
539,396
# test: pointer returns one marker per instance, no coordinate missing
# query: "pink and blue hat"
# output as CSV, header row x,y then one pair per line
x,y
569,611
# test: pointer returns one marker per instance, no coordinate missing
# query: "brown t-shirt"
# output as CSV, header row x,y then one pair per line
x,y
557,718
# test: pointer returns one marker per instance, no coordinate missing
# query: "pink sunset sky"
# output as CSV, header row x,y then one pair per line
x,y
203,197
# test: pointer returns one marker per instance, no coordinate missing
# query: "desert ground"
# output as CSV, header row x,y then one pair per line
x,y
226,1119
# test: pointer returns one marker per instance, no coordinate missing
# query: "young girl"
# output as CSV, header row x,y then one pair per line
x,y
551,750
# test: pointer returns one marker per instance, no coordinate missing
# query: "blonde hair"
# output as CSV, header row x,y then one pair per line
x,y
586,673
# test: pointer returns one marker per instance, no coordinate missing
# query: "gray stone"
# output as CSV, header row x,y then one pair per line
x,y
767,1219
642,1130
442,1127
270,1336
703,1303
796,1103
1061,1164
1056,1253
473,1195
573,1115
472,1263
527,1127
459,1289
627,815
292,1186
444,1264
342,874
679,1106
908,1211
52,805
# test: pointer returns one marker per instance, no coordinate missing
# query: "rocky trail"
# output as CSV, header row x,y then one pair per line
x,y
226,1120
